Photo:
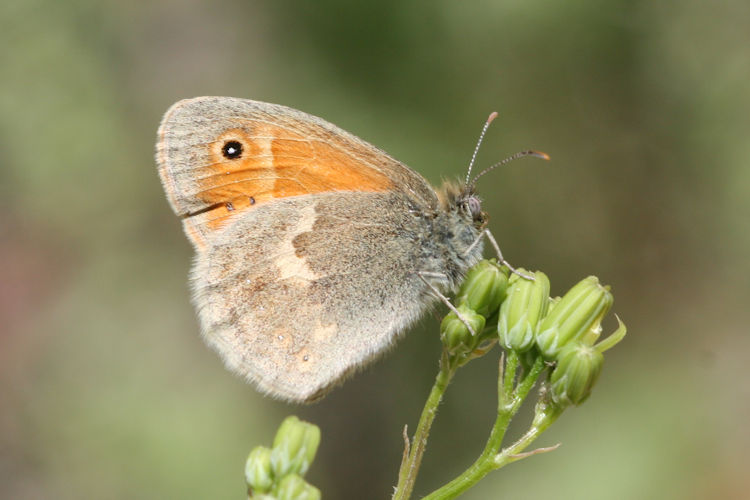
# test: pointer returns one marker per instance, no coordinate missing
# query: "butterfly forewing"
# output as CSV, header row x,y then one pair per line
x,y
221,156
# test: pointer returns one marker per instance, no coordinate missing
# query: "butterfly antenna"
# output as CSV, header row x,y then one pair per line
x,y
520,154
492,116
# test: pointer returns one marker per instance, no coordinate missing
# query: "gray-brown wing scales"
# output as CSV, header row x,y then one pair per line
x,y
296,294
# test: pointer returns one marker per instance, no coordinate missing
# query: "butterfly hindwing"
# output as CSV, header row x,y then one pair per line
x,y
285,313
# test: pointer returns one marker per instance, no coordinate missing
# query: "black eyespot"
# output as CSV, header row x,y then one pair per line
x,y
232,150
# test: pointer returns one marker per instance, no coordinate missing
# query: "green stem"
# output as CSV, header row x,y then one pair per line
x,y
407,474
505,381
511,454
508,405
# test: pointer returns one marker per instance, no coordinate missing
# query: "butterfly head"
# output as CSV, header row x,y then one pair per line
x,y
463,200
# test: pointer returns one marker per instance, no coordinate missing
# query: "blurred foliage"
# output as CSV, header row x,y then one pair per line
x,y
106,390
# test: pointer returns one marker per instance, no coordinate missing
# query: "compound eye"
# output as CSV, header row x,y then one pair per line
x,y
474,206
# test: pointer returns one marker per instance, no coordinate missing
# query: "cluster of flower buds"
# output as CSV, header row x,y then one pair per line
x,y
563,331
568,335
277,473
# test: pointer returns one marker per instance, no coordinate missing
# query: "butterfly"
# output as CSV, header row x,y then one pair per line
x,y
314,250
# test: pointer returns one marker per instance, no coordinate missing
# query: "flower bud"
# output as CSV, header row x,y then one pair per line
x,y
293,487
454,333
578,367
258,473
579,312
484,287
525,306
294,447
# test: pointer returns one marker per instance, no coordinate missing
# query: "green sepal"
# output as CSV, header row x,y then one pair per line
x,y
484,288
456,336
522,310
294,447
258,473
293,487
578,368
577,314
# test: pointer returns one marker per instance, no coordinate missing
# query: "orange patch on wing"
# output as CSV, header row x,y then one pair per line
x,y
275,163
305,167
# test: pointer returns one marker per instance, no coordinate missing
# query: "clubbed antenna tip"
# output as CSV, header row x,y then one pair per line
x,y
520,154
539,154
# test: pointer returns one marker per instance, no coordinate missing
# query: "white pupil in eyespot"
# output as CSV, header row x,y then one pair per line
x,y
232,149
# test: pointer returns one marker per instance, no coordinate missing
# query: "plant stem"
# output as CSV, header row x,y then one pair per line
x,y
410,467
509,402
511,454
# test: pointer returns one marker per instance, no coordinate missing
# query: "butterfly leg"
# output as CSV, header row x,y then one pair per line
x,y
486,233
443,298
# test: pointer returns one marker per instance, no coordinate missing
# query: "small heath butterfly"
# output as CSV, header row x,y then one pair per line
x,y
314,249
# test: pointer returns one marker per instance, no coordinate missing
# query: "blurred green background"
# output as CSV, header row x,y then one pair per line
x,y
106,390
